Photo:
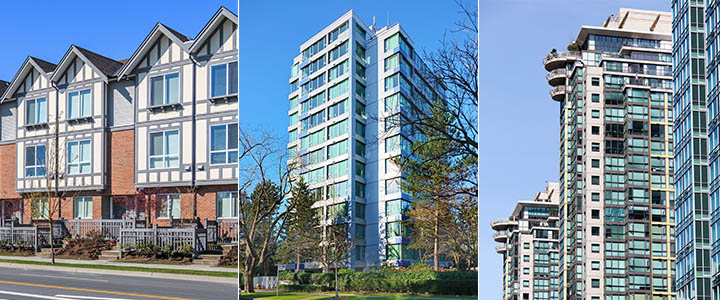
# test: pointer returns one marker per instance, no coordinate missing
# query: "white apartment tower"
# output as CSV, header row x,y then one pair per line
x,y
347,81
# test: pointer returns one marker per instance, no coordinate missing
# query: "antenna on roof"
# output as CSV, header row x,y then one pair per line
x,y
388,18
372,27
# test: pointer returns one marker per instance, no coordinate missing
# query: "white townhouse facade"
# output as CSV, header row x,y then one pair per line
x,y
159,127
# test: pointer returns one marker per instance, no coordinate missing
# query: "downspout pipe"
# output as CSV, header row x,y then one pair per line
x,y
193,168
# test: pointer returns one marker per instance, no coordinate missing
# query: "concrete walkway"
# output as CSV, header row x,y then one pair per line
x,y
123,264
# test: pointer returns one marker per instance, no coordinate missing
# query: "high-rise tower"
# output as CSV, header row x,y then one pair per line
x,y
614,87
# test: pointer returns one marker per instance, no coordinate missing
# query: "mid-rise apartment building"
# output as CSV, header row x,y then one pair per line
x,y
614,90
692,185
347,83
153,136
528,243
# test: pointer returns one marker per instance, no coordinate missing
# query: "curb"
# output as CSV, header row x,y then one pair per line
x,y
124,273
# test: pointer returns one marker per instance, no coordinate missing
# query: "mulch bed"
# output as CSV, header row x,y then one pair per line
x,y
85,248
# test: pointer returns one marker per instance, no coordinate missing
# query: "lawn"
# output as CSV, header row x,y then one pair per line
x,y
124,268
348,296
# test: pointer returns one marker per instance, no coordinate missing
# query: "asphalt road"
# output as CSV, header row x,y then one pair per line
x,y
22,284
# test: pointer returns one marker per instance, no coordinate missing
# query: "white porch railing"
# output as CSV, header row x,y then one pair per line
x,y
110,228
174,238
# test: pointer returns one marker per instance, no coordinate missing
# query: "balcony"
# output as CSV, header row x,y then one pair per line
x,y
556,77
558,93
557,60
500,248
500,236
500,224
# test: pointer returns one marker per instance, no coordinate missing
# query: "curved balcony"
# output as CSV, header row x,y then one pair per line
x,y
556,77
500,236
558,93
500,248
557,60
499,224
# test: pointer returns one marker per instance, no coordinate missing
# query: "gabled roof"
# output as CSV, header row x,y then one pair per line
x,y
155,33
102,65
215,21
3,86
43,67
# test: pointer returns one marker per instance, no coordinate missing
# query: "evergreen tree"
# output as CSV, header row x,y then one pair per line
x,y
304,233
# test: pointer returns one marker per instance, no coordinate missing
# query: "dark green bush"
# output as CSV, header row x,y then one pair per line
x,y
303,288
413,280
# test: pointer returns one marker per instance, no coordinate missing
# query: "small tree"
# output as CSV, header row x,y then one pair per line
x,y
46,202
259,216
335,248
303,226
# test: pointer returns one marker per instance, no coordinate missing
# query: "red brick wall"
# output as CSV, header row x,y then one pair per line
x,y
7,172
121,174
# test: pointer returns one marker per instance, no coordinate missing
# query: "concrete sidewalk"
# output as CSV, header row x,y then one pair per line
x,y
123,264
148,273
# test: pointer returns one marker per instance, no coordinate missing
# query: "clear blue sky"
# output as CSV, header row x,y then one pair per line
x,y
519,123
46,29
274,31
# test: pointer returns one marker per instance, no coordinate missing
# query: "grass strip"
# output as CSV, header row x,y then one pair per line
x,y
125,268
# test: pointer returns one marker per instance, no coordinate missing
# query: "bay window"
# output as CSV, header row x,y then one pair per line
x,y
224,144
165,89
224,79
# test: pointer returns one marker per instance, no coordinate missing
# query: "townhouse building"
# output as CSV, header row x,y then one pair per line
x,y
153,136
347,85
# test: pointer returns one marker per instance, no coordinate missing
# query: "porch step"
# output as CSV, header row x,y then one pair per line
x,y
207,259
109,255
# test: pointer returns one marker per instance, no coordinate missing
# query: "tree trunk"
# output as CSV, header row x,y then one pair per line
x,y
248,280
297,261
52,246
436,233
336,284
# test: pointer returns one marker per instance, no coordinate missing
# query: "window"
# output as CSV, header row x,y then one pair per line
x,y
397,229
396,207
595,163
168,205
595,180
595,98
359,128
227,204
595,230
83,207
79,157
164,149
595,283
224,144
360,192
595,130
165,89
595,147
595,81
79,104
35,161
41,208
595,196
595,248
392,186
224,79
36,111
360,213
595,214
595,114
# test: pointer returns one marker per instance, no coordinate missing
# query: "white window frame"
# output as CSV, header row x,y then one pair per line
x,y
169,205
80,211
227,80
233,205
165,100
78,162
227,151
81,113
36,113
165,156
35,166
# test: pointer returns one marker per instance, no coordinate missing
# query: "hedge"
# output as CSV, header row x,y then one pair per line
x,y
413,280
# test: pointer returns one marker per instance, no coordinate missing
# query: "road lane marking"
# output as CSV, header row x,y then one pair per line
x,y
89,297
91,291
32,295
63,277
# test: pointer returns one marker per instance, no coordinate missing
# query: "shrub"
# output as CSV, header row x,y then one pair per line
x,y
416,279
304,288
